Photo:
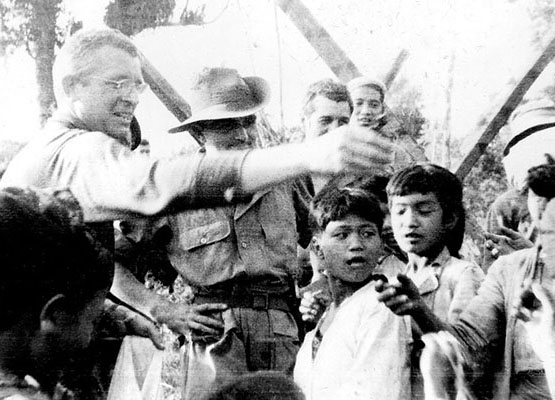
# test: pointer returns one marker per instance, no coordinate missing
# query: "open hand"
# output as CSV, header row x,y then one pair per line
x,y
203,319
536,307
505,241
349,149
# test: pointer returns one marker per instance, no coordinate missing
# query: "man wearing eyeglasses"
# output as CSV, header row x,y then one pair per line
x,y
87,147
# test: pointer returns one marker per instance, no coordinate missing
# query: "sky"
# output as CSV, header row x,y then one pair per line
x,y
490,41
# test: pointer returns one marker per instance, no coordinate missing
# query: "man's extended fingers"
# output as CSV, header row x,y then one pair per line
x,y
397,301
511,234
209,307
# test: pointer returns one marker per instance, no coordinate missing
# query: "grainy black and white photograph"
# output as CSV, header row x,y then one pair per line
x,y
277,200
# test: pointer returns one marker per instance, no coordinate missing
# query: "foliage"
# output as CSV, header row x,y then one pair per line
x,y
35,24
133,16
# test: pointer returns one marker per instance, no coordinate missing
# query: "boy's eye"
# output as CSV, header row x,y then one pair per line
x,y
367,234
340,235
398,210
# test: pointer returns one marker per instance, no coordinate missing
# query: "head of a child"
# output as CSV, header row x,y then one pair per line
x,y
349,224
54,282
427,212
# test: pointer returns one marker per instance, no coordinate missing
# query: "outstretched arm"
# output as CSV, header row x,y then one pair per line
x,y
402,297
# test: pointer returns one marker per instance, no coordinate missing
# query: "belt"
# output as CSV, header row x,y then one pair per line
x,y
257,299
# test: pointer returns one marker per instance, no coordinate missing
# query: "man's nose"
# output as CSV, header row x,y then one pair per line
x,y
131,95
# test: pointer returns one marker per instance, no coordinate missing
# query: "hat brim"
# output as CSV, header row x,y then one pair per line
x,y
261,95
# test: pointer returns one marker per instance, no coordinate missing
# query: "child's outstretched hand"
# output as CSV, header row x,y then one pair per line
x,y
401,297
537,309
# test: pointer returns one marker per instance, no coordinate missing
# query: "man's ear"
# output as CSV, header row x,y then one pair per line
x,y
54,313
316,248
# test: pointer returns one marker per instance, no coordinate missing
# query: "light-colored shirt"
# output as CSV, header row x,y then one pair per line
x,y
112,182
364,353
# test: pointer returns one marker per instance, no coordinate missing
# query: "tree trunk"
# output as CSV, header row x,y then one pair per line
x,y
44,15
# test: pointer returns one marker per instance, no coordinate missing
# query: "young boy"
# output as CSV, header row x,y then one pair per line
x,y
53,286
359,349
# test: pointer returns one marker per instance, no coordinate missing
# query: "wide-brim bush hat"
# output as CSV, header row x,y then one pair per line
x,y
221,93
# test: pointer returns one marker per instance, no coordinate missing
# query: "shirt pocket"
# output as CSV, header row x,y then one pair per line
x,y
204,235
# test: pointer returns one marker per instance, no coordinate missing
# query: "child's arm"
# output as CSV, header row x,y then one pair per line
x,y
402,298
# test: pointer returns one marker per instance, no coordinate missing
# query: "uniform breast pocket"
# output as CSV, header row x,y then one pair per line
x,y
204,235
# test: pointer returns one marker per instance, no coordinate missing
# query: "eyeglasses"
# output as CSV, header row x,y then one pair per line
x,y
228,124
123,85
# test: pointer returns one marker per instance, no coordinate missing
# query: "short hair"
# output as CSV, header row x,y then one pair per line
x,y
329,89
431,178
45,252
262,385
76,57
541,180
334,203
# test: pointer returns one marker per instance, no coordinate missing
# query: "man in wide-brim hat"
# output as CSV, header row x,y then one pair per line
x,y
239,260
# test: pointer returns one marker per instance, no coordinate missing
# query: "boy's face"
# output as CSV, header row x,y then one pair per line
x,y
351,248
417,222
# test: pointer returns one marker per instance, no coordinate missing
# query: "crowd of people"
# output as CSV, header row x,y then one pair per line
x,y
321,269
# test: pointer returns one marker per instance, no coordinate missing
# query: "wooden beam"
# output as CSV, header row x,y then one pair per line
x,y
166,93
394,70
505,111
333,55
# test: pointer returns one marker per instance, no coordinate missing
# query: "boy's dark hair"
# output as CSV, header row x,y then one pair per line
x,y
333,204
431,178
264,385
329,89
541,180
45,252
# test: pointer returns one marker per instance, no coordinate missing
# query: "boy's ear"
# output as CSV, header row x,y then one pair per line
x,y
54,313
451,221
316,248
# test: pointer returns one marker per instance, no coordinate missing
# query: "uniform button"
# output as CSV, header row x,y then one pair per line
x,y
203,240
244,245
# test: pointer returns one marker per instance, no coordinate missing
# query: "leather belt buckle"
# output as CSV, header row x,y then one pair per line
x,y
260,300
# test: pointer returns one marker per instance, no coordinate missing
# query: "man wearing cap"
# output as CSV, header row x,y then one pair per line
x,y
370,113
240,257
532,142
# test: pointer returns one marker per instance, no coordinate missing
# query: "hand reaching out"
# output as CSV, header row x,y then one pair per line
x,y
536,307
505,241
401,297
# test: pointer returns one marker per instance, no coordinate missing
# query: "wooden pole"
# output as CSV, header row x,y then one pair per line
x,y
505,111
394,70
166,93
333,55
